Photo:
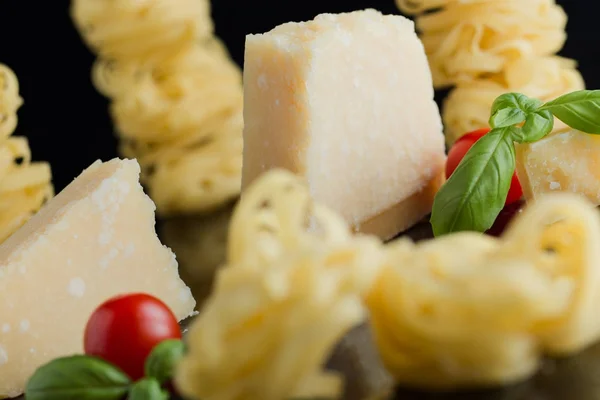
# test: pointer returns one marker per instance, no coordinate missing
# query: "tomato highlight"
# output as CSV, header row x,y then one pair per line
x,y
124,330
462,146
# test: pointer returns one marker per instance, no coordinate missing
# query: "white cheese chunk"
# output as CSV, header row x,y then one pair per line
x,y
346,101
96,239
565,161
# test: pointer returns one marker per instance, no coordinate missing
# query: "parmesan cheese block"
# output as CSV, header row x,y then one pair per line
x,y
346,101
96,239
567,161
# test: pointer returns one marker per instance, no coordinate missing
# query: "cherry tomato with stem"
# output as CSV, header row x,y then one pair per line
x,y
125,329
462,146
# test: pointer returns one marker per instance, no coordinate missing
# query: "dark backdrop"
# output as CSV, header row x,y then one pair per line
x,y
67,121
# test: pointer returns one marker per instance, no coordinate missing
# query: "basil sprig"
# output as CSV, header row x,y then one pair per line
x,y
147,389
77,378
83,377
161,363
476,191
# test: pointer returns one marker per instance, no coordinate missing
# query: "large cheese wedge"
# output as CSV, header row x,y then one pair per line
x,y
346,101
566,161
94,240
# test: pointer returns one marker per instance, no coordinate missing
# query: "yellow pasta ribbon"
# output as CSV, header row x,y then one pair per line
x,y
176,97
485,48
24,185
292,287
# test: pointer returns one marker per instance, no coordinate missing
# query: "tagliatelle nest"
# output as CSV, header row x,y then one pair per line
x,y
24,185
276,216
459,311
289,292
465,40
468,310
143,30
176,97
265,334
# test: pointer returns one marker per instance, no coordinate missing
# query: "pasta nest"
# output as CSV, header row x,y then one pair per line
x,y
292,287
469,310
141,30
486,48
177,98
459,311
467,39
24,185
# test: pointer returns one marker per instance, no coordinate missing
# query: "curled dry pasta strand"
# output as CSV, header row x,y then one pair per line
x,y
489,47
531,292
188,97
413,7
264,332
463,41
146,30
176,97
215,179
288,293
10,101
277,214
24,185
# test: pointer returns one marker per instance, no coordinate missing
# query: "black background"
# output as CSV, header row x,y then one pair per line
x,y
66,120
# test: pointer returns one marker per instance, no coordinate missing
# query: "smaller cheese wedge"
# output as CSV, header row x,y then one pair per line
x,y
346,101
566,161
94,240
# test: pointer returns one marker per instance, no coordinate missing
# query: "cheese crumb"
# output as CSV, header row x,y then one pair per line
x,y
129,249
262,82
3,356
184,294
77,287
554,185
24,325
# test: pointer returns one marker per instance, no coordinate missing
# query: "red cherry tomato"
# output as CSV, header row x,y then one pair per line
x,y
125,329
460,148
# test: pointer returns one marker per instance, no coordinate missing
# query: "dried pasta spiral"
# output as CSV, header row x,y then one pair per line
x,y
293,269
488,47
465,40
24,185
413,7
176,97
145,30
277,215
292,286
167,106
531,292
10,101
265,333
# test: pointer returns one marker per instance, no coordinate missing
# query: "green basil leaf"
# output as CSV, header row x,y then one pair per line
x,y
161,362
536,126
475,193
77,378
147,389
580,110
515,100
507,117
